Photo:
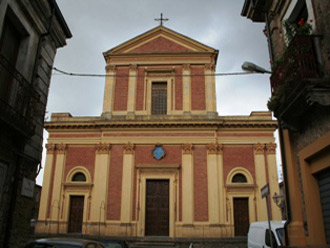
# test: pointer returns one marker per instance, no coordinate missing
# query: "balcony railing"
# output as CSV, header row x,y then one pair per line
x,y
19,101
298,63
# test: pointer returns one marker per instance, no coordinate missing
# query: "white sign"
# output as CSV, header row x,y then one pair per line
x,y
28,187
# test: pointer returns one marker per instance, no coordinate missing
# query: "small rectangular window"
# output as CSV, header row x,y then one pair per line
x,y
159,98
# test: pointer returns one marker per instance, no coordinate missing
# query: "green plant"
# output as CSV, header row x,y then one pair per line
x,y
293,29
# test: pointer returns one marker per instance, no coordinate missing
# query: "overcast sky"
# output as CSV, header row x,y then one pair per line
x,y
99,25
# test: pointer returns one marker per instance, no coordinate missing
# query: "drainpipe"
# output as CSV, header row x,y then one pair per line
x,y
285,178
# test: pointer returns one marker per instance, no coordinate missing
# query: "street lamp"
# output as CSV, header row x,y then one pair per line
x,y
278,199
250,67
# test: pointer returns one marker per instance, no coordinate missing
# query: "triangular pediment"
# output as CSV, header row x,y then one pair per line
x,y
160,40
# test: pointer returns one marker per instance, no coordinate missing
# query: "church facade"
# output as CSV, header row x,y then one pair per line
x,y
159,161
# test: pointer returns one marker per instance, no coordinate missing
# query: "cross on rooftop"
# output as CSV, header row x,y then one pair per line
x,y
161,19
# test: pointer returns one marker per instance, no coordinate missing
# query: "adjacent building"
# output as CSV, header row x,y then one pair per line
x,y
31,32
159,161
298,34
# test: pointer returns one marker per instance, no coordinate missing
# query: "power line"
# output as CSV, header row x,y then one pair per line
x,y
74,74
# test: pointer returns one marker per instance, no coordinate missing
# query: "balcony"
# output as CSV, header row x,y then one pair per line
x,y
19,101
297,83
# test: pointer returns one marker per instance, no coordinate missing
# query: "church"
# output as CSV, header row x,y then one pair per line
x,y
159,160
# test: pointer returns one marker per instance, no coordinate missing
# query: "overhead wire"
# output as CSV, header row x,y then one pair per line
x,y
175,75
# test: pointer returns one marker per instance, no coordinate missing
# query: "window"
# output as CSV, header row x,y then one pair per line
x,y
239,178
79,177
159,98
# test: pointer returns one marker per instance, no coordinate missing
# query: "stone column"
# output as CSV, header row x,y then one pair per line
x,y
100,183
46,182
186,79
58,179
210,89
188,184
260,172
212,184
127,184
131,98
109,91
273,179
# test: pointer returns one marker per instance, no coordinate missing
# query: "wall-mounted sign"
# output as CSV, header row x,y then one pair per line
x,y
28,187
265,191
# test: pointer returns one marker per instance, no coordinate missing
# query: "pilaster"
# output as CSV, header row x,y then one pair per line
x,y
273,179
109,91
186,79
58,179
127,184
212,183
210,89
188,182
100,184
260,173
131,98
46,182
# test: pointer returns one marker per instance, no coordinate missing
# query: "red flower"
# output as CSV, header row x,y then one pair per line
x,y
271,62
311,20
301,22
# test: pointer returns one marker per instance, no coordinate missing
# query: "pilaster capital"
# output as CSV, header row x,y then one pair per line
x,y
259,148
214,148
186,67
61,148
133,67
102,148
271,148
187,148
209,67
110,68
129,148
50,148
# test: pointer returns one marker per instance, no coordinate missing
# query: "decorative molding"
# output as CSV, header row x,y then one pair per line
x,y
271,148
186,67
187,148
50,148
259,148
214,148
133,67
61,148
129,148
102,148
210,67
110,68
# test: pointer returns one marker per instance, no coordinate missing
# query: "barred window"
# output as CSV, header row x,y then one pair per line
x,y
159,98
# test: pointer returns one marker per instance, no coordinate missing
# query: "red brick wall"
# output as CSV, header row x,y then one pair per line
x,y
121,89
200,183
238,156
143,155
178,89
80,156
198,89
115,181
160,45
140,89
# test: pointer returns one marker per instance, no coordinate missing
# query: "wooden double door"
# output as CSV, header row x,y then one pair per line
x,y
157,208
241,216
76,214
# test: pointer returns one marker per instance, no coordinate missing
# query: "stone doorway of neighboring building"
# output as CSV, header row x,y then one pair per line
x,y
157,208
241,216
76,214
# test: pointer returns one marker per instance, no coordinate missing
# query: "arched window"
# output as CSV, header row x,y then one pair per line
x,y
239,178
79,177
